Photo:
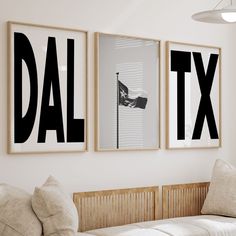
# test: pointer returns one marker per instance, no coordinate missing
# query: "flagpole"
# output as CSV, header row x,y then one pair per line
x,y
117,111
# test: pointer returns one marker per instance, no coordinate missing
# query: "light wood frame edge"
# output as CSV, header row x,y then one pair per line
x,y
9,85
116,191
183,186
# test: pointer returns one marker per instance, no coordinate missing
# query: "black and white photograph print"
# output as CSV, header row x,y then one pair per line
x,y
193,96
47,89
127,92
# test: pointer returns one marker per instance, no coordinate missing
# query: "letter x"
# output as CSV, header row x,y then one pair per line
x,y
205,109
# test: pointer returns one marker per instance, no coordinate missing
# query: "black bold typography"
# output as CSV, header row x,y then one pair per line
x,y
51,116
181,63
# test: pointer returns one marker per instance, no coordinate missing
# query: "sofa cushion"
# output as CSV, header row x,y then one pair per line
x,y
16,214
55,208
221,198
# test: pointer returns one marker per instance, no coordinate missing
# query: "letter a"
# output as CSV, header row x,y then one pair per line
x,y
51,116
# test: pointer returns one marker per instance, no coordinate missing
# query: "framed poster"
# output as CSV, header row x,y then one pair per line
x,y
193,96
127,98
47,88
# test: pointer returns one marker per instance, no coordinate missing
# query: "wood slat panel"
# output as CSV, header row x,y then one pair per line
x,y
116,207
183,199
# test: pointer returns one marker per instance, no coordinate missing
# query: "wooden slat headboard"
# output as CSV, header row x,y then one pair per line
x,y
183,199
116,207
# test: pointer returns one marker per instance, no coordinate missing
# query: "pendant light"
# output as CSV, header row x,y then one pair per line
x,y
223,15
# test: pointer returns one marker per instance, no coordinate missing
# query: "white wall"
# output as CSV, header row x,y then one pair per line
x,y
161,19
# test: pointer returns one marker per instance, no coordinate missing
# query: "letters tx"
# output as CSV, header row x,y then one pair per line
x,y
50,117
181,63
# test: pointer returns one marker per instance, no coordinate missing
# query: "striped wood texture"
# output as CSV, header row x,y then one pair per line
x,y
116,207
183,199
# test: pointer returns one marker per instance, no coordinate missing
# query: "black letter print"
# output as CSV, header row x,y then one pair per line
x,y
23,51
205,109
181,63
51,116
75,127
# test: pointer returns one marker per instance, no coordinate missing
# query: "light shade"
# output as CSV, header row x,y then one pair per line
x,y
222,16
229,16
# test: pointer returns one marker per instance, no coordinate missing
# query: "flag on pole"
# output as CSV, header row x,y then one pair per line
x,y
132,98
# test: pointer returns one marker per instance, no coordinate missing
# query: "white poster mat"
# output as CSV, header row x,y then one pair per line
x,y
38,37
192,99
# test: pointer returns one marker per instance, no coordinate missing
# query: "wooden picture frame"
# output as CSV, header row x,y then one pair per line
x,y
193,96
47,88
127,96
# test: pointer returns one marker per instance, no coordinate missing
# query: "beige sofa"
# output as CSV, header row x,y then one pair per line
x,y
50,211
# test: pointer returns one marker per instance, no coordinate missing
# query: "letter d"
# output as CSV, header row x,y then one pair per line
x,y
23,51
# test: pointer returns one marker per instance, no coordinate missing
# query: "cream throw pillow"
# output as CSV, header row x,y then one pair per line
x,y
221,198
16,214
56,210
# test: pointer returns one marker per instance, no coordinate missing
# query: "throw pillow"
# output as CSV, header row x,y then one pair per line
x,y
221,198
16,214
55,209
